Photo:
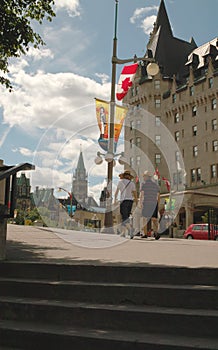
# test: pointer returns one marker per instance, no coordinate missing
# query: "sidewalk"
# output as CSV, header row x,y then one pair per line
x,y
27,243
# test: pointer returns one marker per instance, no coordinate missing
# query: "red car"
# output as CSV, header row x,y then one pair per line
x,y
200,231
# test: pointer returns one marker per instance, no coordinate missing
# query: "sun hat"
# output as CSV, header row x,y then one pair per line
x,y
126,173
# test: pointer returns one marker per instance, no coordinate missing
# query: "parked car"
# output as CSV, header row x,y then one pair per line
x,y
200,231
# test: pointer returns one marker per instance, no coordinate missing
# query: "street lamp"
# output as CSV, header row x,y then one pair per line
x,y
71,200
109,157
152,69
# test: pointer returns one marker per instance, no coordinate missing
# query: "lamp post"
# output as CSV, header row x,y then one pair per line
x,y
152,69
71,200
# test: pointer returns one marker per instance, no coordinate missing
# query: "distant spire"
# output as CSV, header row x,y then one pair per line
x,y
80,164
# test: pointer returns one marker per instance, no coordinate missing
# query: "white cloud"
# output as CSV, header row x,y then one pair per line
x,y
140,12
38,54
71,5
45,99
147,24
25,152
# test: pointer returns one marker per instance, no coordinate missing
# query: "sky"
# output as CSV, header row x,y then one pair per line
x,y
50,115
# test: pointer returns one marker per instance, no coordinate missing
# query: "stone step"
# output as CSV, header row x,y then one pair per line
x,y
177,321
110,273
59,306
185,296
25,336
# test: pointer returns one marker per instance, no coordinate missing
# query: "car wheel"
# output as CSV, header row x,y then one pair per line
x,y
189,237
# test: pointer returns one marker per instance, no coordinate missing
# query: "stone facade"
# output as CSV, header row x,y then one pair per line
x,y
172,124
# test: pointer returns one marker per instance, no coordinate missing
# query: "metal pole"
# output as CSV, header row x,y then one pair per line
x,y
108,221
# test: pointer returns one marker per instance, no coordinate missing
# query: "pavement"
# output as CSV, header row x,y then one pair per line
x,y
43,244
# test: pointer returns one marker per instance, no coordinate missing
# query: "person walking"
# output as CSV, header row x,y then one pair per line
x,y
149,201
127,191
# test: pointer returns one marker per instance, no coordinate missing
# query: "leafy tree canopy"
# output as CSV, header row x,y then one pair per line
x,y
16,31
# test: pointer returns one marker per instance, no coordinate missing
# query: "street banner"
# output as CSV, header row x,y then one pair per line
x,y
102,115
120,115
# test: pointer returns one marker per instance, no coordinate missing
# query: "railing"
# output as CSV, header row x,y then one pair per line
x,y
8,176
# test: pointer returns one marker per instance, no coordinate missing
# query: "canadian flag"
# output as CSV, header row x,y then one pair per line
x,y
156,173
125,81
167,183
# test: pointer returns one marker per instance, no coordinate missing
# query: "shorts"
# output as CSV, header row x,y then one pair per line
x,y
150,210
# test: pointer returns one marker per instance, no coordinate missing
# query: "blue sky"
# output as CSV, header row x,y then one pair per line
x,y
50,115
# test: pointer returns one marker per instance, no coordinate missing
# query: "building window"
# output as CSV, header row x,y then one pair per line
x,y
131,161
210,83
157,158
157,121
133,91
195,151
174,98
213,104
214,124
206,146
131,143
193,175
176,117
138,160
157,140
194,130
191,91
194,111
213,171
131,125
198,174
215,145
138,142
136,90
138,124
157,84
157,103
177,136
177,156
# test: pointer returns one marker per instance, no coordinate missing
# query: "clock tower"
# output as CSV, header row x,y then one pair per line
x,y
80,182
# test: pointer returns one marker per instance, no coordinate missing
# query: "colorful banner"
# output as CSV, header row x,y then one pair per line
x,y
102,115
120,115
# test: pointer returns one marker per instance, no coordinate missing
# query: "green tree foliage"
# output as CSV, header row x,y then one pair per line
x,y
16,29
23,215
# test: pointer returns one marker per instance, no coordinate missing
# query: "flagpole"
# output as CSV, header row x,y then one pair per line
x,y
108,221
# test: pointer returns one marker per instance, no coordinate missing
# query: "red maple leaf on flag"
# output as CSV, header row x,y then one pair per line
x,y
126,84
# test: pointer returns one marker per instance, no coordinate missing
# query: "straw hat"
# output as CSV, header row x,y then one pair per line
x,y
126,173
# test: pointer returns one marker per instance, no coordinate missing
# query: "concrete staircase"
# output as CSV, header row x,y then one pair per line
x,y
87,307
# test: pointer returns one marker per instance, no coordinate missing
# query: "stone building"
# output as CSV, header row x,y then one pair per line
x,y
172,124
23,195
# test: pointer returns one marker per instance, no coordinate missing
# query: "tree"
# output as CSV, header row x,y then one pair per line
x,y
16,29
